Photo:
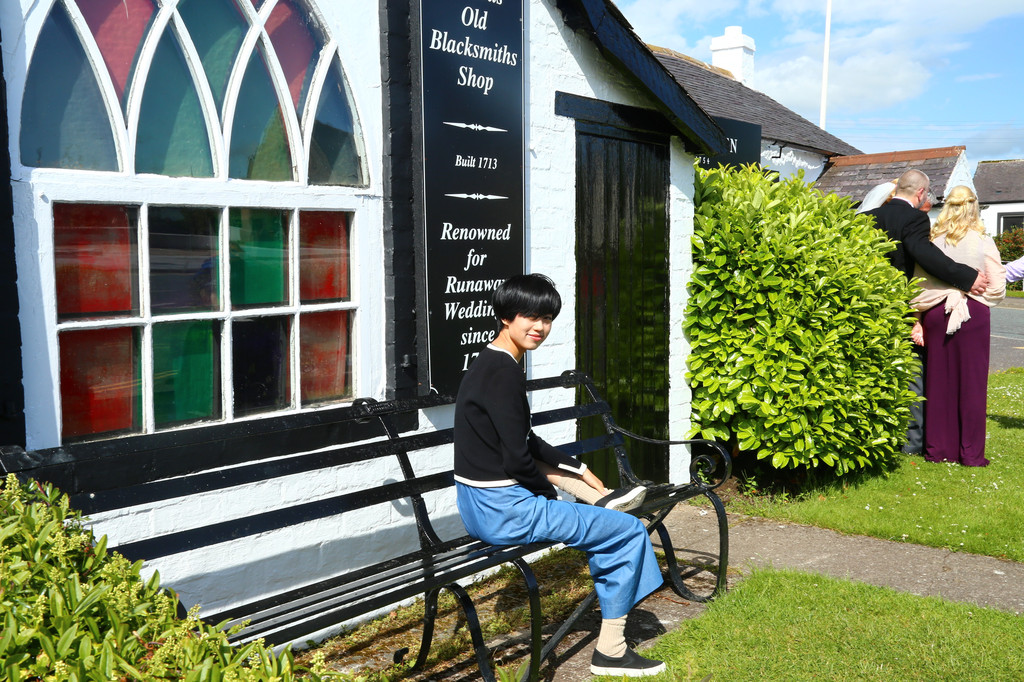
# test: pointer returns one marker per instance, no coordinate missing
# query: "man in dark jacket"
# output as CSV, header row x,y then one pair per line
x,y
906,224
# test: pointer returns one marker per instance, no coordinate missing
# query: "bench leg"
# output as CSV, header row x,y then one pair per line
x,y
429,614
563,630
723,555
536,620
483,657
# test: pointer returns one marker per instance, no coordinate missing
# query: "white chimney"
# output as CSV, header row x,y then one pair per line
x,y
735,53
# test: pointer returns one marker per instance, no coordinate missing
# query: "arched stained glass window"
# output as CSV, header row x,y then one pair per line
x,y
232,75
172,138
118,27
259,143
217,28
194,278
298,45
69,126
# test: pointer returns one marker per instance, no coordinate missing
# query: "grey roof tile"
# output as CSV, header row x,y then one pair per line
x,y
1000,181
719,94
852,176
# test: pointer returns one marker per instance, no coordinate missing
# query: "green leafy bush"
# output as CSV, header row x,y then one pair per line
x,y
71,611
1011,247
798,325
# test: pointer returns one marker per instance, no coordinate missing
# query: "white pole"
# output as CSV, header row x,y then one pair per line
x,y
824,66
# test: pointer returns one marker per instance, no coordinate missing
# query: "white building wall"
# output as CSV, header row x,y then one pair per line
x,y
788,161
557,59
990,214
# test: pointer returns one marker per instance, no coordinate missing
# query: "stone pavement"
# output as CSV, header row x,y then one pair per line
x,y
755,542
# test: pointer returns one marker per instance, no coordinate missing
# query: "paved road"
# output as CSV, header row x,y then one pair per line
x,y
1007,335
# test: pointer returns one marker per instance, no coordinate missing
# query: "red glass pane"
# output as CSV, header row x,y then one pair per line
x,y
297,47
99,381
324,356
96,260
118,26
323,256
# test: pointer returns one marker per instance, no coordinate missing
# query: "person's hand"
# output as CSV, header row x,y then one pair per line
x,y
917,334
980,284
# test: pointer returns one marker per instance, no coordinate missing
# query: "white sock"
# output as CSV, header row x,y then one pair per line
x,y
611,641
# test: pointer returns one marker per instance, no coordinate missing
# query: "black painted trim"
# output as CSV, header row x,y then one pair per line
x,y
12,393
616,40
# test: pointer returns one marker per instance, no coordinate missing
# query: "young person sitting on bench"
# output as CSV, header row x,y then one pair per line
x,y
504,496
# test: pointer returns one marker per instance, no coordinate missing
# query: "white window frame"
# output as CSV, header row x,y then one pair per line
x,y
35,190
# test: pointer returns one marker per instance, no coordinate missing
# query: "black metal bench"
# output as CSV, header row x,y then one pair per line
x,y
150,469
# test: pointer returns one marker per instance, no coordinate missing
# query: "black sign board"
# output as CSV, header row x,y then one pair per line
x,y
744,144
471,69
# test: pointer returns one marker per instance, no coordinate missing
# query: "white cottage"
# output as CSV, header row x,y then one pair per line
x,y
218,212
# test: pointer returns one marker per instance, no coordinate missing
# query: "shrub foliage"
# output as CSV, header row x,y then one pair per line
x,y
798,325
71,611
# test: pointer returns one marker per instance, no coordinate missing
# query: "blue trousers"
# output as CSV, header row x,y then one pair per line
x,y
618,548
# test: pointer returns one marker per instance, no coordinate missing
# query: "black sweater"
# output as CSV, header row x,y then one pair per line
x,y
494,442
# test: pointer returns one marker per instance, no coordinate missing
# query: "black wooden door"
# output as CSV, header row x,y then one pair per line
x,y
622,285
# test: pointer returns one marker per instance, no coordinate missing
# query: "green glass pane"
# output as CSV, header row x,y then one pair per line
x,y
173,138
64,123
259,143
183,272
259,257
186,372
217,29
333,155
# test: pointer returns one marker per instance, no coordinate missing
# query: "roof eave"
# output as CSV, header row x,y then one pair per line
x,y
616,40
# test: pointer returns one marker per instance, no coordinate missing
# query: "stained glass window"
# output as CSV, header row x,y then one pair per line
x,y
260,365
186,372
326,363
323,256
68,122
183,259
119,27
64,121
176,303
217,29
99,381
172,138
95,260
259,257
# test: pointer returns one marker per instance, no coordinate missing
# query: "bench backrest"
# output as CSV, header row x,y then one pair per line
x,y
149,469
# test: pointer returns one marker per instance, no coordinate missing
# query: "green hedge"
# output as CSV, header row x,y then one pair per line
x,y
798,325
71,611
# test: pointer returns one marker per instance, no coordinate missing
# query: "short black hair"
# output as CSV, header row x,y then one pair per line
x,y
527,295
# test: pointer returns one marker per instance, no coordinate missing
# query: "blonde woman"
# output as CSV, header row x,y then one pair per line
x,y
954,329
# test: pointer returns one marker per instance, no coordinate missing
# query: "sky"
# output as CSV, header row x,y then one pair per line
x,y
902,75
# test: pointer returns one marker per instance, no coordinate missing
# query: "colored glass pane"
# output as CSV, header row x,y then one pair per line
x,y
259,257
99,381
323,256
324,360
96,260
64,121
217,28
183,272
173,138
297,43
119,27
259,143
186,372
333,154
261,376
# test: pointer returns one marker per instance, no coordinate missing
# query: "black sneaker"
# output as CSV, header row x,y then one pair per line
x,y
623,499
631,664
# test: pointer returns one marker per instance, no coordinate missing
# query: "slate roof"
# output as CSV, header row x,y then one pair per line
x,y
719,94
1000,181
853,176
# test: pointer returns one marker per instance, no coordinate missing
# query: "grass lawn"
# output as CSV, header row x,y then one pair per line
x,y
977,510
784,625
